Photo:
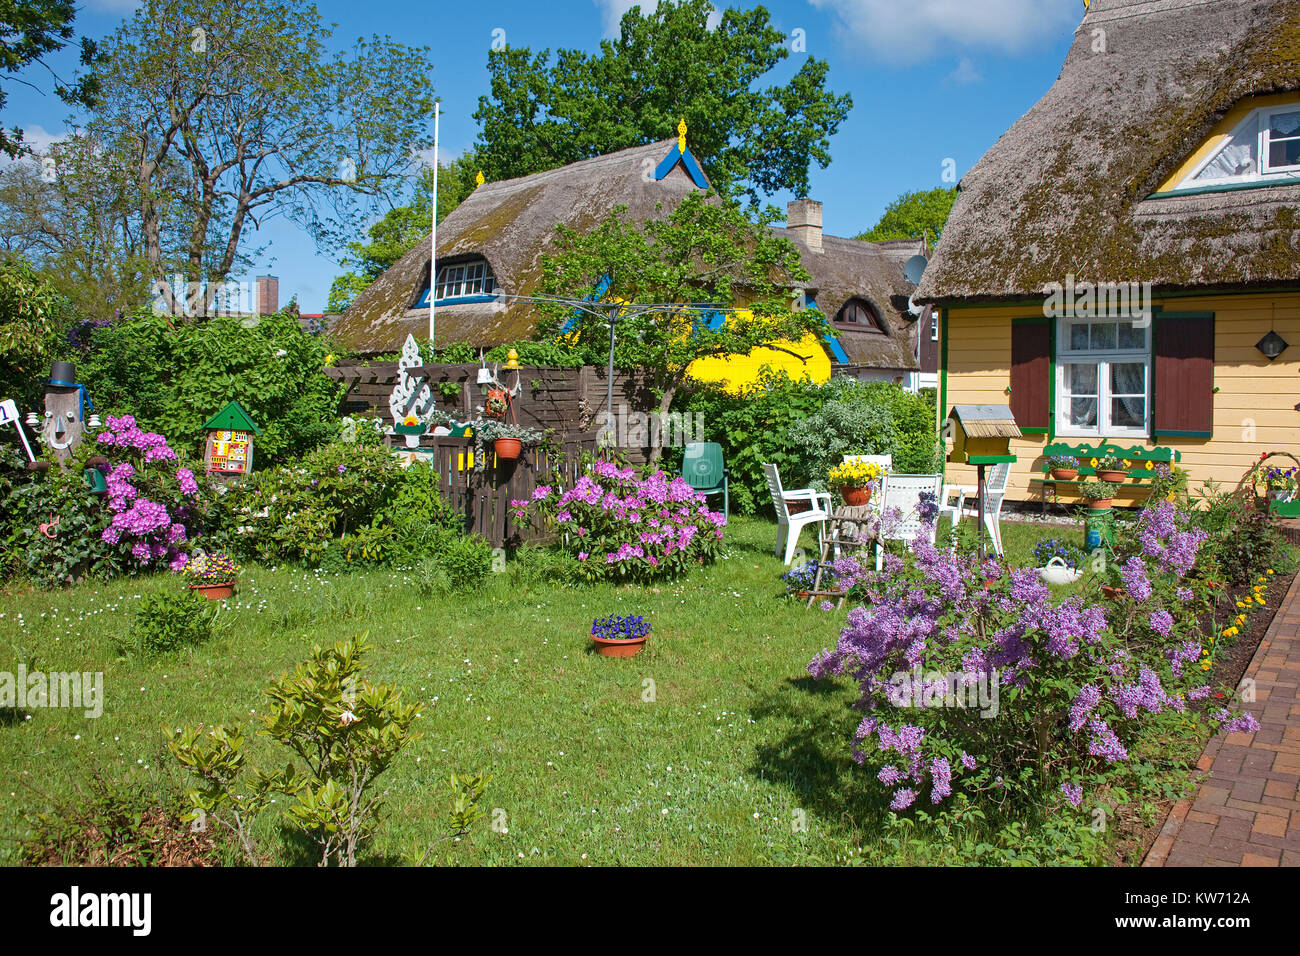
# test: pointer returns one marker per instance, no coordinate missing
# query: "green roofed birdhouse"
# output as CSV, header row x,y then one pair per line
x,y
981,434
229,448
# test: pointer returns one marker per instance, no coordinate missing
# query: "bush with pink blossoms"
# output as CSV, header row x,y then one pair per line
x,y
622,526
1003,695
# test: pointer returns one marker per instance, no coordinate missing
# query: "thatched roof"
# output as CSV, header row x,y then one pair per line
x,y
511,224
1065,190
851,268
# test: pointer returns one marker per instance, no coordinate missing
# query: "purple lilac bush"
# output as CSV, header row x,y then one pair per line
x,y
999,691
622,526
148,497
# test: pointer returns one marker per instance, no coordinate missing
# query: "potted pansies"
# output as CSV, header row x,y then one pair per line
x,y
1058,561
1100,494
213,575
616,636
1281,483
1112,469
1064,467
855,480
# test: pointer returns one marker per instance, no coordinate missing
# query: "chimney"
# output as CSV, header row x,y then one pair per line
x,y
268,295
804,218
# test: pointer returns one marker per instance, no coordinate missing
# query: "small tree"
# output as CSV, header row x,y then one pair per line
x,y
913,215
705,251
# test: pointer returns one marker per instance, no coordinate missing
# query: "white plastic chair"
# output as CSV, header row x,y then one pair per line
x,y
788,525
903,493
953,503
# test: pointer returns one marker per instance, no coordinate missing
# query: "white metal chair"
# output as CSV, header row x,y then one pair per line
x,y
954,505
788,525
902,493
884,461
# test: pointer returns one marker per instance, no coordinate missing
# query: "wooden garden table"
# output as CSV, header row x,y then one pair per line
x,y
850,528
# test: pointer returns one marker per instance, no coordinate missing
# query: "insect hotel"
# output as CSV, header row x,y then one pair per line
x,y
229,448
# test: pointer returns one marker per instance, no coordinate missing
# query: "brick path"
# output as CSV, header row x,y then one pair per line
x,y
1246,810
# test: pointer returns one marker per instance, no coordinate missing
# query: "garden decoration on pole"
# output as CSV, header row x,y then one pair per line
x,y
66,405
228,451
982,436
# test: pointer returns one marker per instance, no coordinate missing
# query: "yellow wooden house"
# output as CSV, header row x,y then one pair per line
x,y
1123,267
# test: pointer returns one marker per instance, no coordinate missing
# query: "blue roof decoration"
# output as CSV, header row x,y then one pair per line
x,y
832,343
680,154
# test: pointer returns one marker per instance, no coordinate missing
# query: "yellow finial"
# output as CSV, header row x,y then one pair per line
x,y
681,135
479,178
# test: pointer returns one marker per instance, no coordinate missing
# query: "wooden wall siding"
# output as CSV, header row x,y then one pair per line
x,y
483,497
1254,408
567,400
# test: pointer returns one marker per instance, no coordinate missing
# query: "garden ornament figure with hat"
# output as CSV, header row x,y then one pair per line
x,y
67,405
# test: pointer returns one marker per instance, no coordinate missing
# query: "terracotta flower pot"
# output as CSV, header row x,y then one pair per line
x,y
1114,594
607,648
1100,504
854,496
507,448
215,592
1065,474
1113,476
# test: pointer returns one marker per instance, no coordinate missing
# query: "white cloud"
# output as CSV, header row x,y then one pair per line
x,y
35,138
966,73
906,30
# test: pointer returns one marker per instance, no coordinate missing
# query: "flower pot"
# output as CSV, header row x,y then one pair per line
x,y
607,648
855,497
507,448
1099,504
796,506
1065,474
214,592
1114,594
1114,477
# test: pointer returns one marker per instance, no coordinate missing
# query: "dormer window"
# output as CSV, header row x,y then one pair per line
x,y
857,314
1263,148
465,279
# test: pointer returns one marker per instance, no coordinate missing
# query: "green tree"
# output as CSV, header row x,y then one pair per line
x,y
664,66
913,215
704,251
232,112
30,29
400,229
33,315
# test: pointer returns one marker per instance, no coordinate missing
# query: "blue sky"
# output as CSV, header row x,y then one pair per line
x,y
932,80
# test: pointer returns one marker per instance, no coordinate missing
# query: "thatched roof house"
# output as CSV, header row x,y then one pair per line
x,y
1124,263
496,239
1075,186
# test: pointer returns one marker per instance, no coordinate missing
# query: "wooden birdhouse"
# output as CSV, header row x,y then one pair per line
x,y
981,434
229,448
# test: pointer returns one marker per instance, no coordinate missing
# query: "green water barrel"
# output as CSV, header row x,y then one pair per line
x,y
1098,527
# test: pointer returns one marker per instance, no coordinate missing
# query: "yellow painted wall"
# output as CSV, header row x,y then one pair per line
x,y
1254,409
736,372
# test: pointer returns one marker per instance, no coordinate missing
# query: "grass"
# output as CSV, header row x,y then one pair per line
x,y
710,747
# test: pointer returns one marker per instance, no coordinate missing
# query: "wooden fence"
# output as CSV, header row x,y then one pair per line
x,y
482,496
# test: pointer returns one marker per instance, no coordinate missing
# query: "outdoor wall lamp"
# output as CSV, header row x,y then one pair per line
x,y
1271,345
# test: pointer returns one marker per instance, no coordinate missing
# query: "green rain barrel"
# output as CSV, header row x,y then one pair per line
x,y
1098,527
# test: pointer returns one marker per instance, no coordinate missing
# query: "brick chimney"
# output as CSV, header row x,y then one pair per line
x,y
803,217
268,295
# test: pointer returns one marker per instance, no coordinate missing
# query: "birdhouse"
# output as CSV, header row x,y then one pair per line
x,y
982,434
229,448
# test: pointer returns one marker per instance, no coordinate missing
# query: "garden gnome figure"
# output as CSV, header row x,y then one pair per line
x,y
66,406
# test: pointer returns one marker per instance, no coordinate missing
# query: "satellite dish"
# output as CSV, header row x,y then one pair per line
x,y
914,268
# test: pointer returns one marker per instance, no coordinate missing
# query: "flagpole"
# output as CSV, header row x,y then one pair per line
x,y
433,237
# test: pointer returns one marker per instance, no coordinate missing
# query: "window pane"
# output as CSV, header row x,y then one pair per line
x,y
1284,153
1081,379
1083,412
1078,336
1284,125
1103,335
1131,338
1237,158
1128,412
1128,378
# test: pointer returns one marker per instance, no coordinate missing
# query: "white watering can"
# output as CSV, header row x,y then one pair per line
x,y
1058,572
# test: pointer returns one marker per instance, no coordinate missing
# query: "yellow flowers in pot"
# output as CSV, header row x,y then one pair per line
x,y
854,474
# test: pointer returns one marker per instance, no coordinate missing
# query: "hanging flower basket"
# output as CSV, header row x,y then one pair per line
x,y
507,449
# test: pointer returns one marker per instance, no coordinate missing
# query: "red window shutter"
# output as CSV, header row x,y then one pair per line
x,y
1031,374
1183,378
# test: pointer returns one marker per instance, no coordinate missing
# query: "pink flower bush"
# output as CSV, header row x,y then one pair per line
x,y
151,531
619,525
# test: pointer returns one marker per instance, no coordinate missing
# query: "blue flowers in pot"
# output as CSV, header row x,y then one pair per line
x,y
617,636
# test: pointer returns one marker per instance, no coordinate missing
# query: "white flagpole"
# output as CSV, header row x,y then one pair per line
x,y
433,238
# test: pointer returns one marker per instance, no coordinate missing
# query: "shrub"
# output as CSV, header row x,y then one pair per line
x,y
1074,687
454,563
169,620
173,376
617,525
1242,540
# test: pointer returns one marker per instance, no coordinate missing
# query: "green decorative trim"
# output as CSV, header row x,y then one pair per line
x,y
991,459
1035,431
1178,434
943,385
1223,188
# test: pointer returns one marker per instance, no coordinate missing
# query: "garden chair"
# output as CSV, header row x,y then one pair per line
x,y
789,525
953,503
884,461
903,494
705,471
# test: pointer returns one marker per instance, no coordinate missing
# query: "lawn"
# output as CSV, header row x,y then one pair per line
x,y
711,747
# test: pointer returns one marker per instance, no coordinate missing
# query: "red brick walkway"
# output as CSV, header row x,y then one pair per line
x,y
1246,810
